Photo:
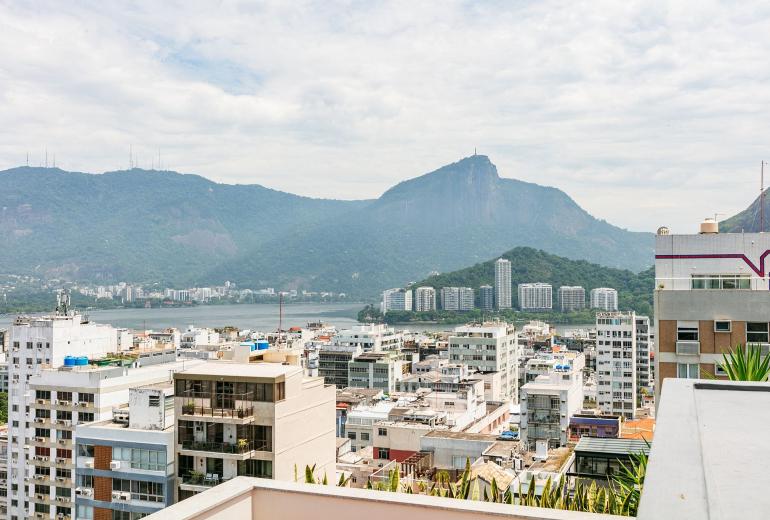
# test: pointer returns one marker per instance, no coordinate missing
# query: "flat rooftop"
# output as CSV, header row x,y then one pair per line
x,y
461,435
710,457
611,446
234,369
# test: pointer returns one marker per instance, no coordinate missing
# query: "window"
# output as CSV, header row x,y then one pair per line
x,y
85,417
43,394
722,326
756,332
718,370
85,450
364,436
85,398
64,396
382,432
352,435
720,281
687,331
688,370
154,401
383,453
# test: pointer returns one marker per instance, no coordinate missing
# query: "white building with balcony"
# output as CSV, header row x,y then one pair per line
x,y
616,363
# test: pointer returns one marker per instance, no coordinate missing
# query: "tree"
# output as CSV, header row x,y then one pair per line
x,y
746,364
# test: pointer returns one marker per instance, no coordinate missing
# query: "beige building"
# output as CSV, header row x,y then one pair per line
x,y
264,420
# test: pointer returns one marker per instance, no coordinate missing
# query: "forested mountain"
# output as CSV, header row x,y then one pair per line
x,y
530,265
151,226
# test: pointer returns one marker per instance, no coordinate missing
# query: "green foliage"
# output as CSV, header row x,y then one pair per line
x,y
3,407
746,364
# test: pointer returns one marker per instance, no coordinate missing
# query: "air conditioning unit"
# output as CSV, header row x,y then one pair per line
x,y
83,404
40,401
39,420
125,496
116,495
62,499
78,491
61,460
43,459
87,492
40,497
60,479
40,439
60,515
62,441
63,403
89,464
115,464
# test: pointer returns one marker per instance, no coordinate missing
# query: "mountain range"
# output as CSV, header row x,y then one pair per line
x,y
158,226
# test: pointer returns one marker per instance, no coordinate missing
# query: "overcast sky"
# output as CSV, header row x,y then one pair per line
x,y
646,113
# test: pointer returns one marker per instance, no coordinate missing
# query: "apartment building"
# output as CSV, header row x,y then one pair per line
x,y
486,298
381,370
257,419
125,465
457,298
571,298
503,283
489,347
396,300
616,364
63,399
334,358
644,346
424,299
359,427
604,298
3,470
548,402
35,343
535,296
711,295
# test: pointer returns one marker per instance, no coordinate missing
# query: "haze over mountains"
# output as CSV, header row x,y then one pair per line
x,y
146,226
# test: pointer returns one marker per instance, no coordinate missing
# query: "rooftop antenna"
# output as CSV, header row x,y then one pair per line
x,y
762,198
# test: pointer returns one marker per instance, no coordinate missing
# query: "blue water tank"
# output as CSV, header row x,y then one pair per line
x,y
69,361
263,344
81,361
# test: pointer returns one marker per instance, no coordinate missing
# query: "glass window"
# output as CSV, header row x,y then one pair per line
x,y
688,370
756,332
722,326
687,333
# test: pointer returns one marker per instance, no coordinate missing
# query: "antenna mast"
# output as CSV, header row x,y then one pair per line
x,y
762,198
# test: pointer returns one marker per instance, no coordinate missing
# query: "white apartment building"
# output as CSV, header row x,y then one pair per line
x,y
503,286
644,346
457,298
396,300
333,359
35,343
359,426
255,419
548,402
489,347
571,298
616,358
604,298
535,296
424,299
62,399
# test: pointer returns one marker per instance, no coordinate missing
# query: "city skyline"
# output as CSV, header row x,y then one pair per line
x,y
618,111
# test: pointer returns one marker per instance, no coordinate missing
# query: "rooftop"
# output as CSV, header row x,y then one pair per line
x,y
611,446
233,369
710,455
444,434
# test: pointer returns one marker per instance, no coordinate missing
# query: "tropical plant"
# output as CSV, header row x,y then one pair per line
x,y
746,364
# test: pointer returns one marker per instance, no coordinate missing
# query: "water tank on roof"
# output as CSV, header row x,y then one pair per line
x,y
709,226
81,361
69,361
262,344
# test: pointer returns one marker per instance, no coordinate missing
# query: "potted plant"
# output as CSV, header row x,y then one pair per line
x,y
196,477
188,409
242,444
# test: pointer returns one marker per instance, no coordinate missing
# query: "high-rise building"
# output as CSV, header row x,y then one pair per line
x,y
486,297
457,298
535,297
644,345
424,299
711,295
62,399
36,342
396,300
571,298
604,298
380,370
487,348
333,359
255,419
503,283
616,357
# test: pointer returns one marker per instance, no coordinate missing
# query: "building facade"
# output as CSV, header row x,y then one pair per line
x,y
616,357
256,419
503,286
457,298
487,348
486,298
424,299
604,298
396,300
535,297
711,295
644,346
571,298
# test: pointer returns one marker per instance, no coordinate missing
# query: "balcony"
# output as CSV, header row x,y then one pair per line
x,y
688,348
233,407
242,448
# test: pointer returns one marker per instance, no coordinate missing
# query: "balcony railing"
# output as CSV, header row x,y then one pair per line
x,y
239,412
226,447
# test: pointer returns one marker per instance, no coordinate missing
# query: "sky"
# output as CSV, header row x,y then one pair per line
x,y
646,113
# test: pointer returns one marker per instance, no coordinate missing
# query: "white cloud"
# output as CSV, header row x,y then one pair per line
x,y
647,113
